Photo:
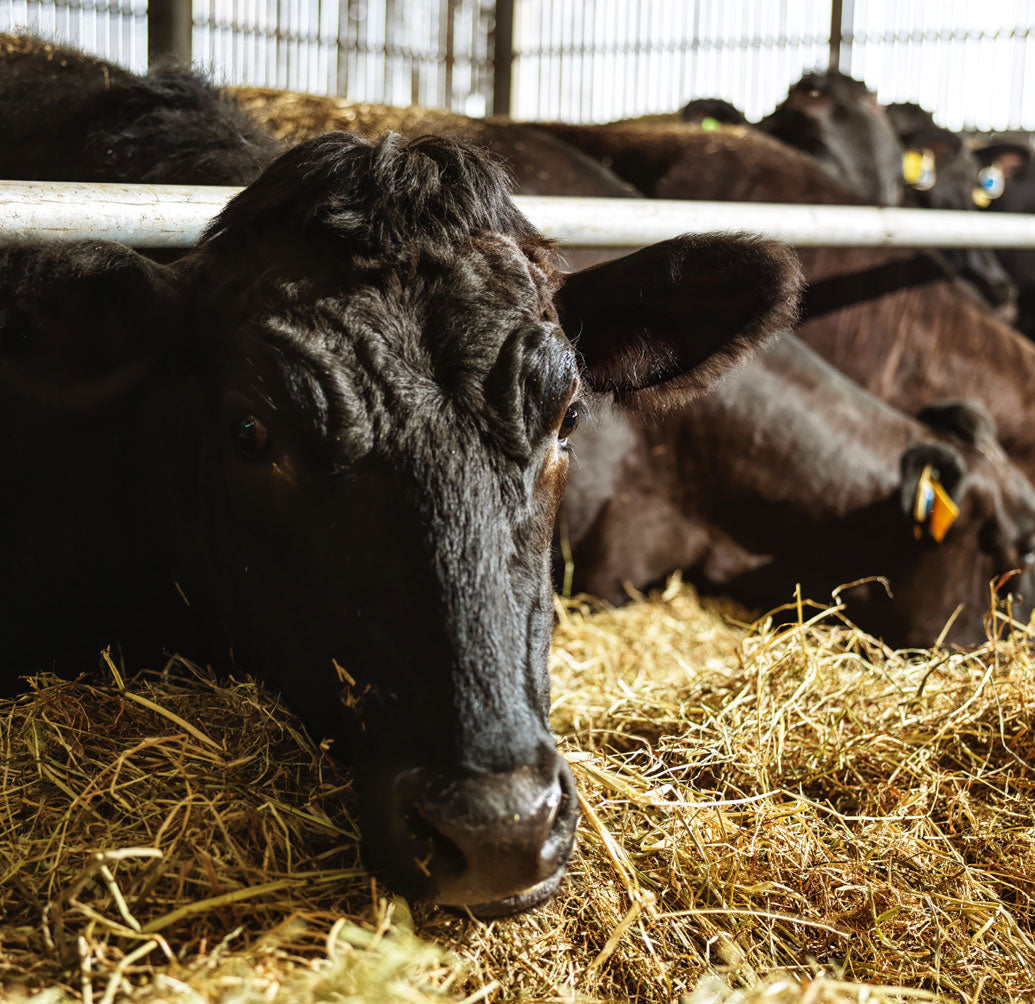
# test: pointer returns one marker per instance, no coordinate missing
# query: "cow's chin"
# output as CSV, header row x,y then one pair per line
x,y
526,900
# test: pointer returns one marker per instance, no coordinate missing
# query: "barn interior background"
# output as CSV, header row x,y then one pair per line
x,y
577,60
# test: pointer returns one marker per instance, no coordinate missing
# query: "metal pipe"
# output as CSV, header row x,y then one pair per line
x,y
170,216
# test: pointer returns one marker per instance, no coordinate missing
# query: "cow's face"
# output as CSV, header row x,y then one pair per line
x,y
391,375
941,173
837,120
947,559
385,452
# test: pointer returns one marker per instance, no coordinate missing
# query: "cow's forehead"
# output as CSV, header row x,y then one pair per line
x,y
396,349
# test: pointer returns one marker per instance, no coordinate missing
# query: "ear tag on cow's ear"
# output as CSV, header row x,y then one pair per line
x,y
918,169
933,507
980,199
709,124
992,181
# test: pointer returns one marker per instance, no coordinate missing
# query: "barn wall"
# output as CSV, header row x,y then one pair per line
x,y
972,63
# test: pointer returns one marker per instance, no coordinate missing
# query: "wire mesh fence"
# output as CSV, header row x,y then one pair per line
x,y
429,52
115,29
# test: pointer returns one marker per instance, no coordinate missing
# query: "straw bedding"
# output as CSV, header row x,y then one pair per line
x,y
777,814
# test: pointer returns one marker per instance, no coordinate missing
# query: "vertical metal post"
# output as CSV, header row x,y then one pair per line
x,y
836,13
502,57
168,30
450,50
842,17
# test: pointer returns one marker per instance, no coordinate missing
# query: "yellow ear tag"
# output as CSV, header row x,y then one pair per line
x,y
933,506
918,169
709,124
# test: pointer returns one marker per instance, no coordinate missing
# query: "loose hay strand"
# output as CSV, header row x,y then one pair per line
x,y
772,815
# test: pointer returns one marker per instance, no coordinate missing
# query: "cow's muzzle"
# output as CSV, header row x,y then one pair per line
x,y
493,843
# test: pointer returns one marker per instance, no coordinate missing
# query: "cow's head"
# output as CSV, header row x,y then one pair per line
x,y
837,120
939,172
972,514
390,374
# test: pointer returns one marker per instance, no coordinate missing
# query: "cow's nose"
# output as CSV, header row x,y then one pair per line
x,y
492,842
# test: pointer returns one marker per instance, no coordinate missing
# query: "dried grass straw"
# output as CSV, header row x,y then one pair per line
x,y
781,815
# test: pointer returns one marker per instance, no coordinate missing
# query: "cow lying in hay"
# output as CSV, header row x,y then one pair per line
x,y
893,320
354,397
788,472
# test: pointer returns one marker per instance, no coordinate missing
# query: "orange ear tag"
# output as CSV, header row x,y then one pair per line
x,y
933,506
943,513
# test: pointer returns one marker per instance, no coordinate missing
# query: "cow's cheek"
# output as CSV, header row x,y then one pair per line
x,y
550,488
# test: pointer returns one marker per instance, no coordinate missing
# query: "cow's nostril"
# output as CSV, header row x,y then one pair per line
x,y
441,856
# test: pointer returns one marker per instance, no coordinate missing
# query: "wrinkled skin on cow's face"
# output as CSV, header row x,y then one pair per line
x,y
348,456
386,450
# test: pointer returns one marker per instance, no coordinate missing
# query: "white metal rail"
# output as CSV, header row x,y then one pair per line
x,y
172,216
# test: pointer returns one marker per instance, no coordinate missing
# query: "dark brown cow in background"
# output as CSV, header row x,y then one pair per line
x,y
69,116
896,323
837,120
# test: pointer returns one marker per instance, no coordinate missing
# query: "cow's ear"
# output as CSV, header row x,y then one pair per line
x,y
82,326
658,327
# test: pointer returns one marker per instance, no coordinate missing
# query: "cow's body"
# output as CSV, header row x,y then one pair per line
x,y
69,116
350,404
913,337
788,473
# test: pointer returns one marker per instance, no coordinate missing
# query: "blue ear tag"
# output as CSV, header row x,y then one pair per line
x,y
924,496
992,181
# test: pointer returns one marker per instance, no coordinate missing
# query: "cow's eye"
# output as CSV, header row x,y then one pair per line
x,y
249,435
570,422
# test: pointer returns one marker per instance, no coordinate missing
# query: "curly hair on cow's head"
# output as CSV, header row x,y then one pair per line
x,y
380,197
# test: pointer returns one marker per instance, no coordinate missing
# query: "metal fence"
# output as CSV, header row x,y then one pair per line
x,y
972,63
115,29
174,216
430,52
590,60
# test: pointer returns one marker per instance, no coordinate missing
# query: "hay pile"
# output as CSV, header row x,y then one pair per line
x,y
770,817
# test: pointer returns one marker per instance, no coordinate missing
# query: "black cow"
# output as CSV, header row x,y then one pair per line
x,y
787,473
69,116
331,442
940,172
837,120
1007,170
